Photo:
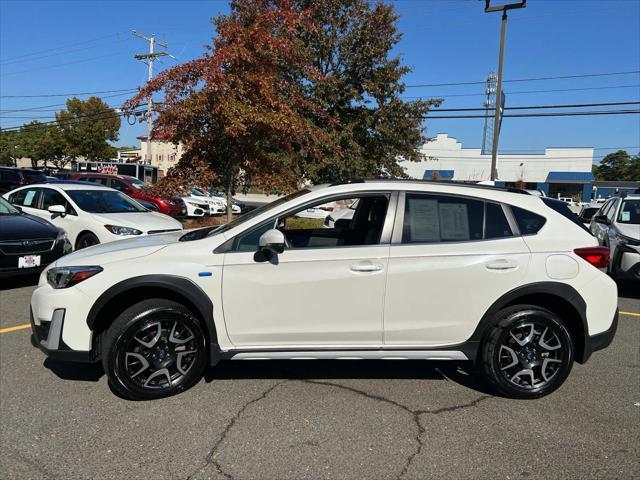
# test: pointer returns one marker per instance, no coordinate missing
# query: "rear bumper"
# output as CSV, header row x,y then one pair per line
x,y
601,340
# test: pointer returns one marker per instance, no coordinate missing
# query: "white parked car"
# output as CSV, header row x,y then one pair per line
x,y
617,227
90,214
215,206
196,207
424,270
220,201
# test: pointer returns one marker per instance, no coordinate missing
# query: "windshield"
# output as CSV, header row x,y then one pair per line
x,y
630,212
34,177
137,184
104,201
258,211
6,208
197,192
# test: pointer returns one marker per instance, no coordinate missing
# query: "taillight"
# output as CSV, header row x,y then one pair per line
x,y
596,256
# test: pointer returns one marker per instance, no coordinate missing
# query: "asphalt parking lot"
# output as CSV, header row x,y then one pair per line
x,y
281,420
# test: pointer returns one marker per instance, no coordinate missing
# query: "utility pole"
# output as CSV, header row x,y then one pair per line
x,y
148,58
499,100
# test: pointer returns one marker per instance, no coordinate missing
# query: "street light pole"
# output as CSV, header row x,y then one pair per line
x,y
497,123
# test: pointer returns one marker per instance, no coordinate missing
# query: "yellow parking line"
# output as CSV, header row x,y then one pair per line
x,y
13,329
633,314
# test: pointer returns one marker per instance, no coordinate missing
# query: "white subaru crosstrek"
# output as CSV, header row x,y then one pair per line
x,y
423,270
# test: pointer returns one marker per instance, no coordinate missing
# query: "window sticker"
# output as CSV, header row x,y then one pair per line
x,y
454,221
423,220
625,217
28,199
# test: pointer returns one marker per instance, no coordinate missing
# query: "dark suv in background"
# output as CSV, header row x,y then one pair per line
x,y
11,177
134,188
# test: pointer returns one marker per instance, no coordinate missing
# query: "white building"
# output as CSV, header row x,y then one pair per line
x,y
163,155
558,171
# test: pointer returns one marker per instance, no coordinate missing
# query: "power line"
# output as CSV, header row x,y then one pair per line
x,y
40,108
546,114
526,91
530,79
79,119
85,42
531,107
68,94
91,59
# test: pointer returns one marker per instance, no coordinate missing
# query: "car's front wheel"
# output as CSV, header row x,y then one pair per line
x,y
154,349
528,353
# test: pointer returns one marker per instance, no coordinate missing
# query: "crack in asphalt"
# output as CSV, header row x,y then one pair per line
x,y
210,459
415,415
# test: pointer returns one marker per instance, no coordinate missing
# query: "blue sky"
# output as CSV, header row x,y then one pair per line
x,y
51,47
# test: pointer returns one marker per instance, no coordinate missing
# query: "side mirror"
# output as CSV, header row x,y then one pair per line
x,y
272,242
601,219
58,209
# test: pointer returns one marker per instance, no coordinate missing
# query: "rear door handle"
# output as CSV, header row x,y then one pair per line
x,y
501,264
366,267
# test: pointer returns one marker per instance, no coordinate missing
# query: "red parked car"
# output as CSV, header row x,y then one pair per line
x,y
136,189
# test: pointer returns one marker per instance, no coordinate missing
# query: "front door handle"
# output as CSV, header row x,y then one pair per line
x,y
366,267
501,264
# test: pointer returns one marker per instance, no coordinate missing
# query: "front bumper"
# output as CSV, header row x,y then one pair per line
x,y
48,338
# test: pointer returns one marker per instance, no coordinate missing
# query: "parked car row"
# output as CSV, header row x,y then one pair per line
x,y
616,225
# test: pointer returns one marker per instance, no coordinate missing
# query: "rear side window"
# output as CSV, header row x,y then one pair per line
x,y
440,218
528,222
34,177
496,224
565,211
9,176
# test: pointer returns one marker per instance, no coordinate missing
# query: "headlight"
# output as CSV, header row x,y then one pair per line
x,y
62,236
623,240
118,230
65,277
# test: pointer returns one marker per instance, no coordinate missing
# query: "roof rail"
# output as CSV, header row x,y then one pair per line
x,y
444,182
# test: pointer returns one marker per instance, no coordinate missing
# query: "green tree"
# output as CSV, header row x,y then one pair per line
x,y
618,166
360,86
240,111
10,148
86,127
41,143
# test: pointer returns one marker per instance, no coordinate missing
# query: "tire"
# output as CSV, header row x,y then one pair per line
x,y
86,240
154,349
528,353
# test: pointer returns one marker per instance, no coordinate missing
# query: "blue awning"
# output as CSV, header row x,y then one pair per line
x,y
570,177
440,174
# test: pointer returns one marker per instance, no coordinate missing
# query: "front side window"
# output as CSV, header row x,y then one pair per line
x,y
119,185
630,212
98,180
611,213
104,201
53,197
307,228
440,218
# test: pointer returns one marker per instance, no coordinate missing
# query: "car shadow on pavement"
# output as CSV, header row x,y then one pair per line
x,y
84,372
459,372
19,281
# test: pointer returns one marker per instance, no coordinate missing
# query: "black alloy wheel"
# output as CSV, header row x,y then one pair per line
x,y
87,240
154,349
528,353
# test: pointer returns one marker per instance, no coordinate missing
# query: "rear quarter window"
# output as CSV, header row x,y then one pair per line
x,y
529,223
565,211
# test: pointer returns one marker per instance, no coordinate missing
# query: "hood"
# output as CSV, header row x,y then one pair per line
x,y
120,250
25,227
629,230
144,221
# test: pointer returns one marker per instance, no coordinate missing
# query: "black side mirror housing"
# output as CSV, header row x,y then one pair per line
x,y
602,219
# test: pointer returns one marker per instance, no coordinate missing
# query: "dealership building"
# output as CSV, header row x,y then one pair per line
x,y
559,172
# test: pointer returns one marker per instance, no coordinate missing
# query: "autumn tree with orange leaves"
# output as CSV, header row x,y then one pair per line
x,y
240,111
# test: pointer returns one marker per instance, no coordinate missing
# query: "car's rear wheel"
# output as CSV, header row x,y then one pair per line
x,y
528,353
154,349
86,240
